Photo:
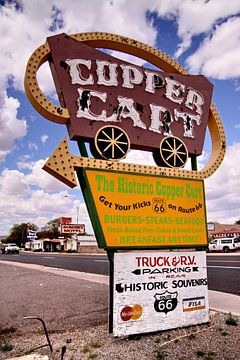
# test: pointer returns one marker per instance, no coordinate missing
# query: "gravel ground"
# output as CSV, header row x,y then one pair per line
x,y
213,341
76,315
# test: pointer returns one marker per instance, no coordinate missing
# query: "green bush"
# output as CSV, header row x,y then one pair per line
x,y
6,347
231,320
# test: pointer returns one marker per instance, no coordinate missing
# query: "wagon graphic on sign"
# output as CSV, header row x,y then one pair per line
x,y
115,105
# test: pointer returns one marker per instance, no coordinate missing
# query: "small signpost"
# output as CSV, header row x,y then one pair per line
x,y
31,235
72,229
151,220
156,290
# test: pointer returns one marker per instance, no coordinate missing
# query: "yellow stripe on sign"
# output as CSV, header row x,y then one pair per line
x,y
194,308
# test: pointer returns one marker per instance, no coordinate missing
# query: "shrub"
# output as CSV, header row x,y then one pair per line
x,y
6,347
231,320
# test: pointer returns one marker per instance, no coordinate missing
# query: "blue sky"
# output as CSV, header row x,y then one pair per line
x,y
203,36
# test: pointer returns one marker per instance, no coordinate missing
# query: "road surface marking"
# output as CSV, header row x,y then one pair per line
x,y
226,261
224,267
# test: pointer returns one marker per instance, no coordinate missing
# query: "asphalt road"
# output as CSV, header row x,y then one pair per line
x,y
224,273
223,270
94,264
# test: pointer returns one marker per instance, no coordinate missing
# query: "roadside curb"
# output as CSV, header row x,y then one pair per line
x,y
218,301
236,253
101,279
212,253
223,302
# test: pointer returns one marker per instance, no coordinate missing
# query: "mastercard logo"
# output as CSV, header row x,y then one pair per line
x,y
131,312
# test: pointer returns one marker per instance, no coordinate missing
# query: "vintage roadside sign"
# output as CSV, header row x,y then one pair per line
x,y
72,229
116,106
66,220
99,89
156,291
142,211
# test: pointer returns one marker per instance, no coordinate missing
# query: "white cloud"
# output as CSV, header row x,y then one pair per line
x,y
38,17
223,188
126,57
194,17
24,30
140,157
218,55
24,163
46,83
121,17
48,203
26,198
13,182
11,127
44,138
199,17
42,179
236,83
32,145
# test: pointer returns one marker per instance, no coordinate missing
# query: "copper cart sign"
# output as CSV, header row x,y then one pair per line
x,y
99,90
115,105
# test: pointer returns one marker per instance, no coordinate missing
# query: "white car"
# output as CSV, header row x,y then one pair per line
x,y
10,248
224,244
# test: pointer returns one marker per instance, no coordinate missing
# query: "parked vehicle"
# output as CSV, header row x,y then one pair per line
x,y
10,248
224,244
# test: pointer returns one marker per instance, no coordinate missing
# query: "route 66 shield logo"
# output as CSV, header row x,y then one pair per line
x,y
159,205
165,302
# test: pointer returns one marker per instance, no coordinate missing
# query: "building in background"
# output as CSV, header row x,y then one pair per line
x,y
216,230
71,244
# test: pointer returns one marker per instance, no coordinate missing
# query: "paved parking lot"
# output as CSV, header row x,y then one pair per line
x,y
62,302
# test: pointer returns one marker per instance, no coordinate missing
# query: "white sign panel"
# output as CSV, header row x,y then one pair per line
x,y
31,234
156,291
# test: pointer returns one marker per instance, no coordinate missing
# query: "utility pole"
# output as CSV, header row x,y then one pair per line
x,y
77,213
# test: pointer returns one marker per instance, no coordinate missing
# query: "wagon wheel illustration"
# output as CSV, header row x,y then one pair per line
x,y
173,152
112,143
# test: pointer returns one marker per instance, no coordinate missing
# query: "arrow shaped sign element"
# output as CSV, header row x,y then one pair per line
x,y
62,165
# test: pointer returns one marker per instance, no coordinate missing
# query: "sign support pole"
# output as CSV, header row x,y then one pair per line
x,y
110,254
194,163
82,148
